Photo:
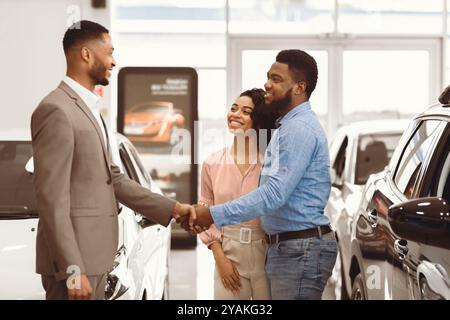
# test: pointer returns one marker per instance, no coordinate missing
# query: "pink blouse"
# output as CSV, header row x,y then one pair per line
x,y
222,181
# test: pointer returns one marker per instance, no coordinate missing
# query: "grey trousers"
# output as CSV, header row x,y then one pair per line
x,y
57,289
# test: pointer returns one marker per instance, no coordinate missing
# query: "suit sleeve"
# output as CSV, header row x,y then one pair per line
x,y
155,207
53,147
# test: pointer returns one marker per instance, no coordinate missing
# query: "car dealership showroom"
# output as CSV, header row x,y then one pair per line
x,y
225,149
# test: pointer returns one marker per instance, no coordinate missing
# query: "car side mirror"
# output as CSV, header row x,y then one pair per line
x,y
424,220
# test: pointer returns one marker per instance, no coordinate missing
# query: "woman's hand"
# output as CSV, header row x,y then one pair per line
x,y
229,274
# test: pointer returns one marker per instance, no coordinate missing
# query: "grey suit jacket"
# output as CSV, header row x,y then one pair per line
x,y
77,186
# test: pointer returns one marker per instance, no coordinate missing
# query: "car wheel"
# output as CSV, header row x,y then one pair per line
x,y
358,291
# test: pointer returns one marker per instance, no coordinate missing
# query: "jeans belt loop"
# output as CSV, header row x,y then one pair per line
x,y
277,238
320,232
245,235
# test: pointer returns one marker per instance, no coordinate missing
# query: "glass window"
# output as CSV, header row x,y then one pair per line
x,y
378,84
437,178
413,156
16,184
144,175
256,63
281,16
212,90
373,155
127,164
181,16
390,16
339,163
175,50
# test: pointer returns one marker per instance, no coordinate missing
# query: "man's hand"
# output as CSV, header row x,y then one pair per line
x,y
185,214
202,222
81,291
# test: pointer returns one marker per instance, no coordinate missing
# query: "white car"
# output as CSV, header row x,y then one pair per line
x,y
357,151
141,267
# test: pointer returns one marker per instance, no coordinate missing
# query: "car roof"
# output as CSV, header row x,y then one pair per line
x,y
374,127
439,110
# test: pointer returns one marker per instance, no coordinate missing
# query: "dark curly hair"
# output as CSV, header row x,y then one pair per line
x,y
263,118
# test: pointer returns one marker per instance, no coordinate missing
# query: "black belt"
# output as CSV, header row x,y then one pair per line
x,y
302,234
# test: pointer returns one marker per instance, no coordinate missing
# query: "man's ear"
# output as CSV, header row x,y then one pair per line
x,y
300,88
85,54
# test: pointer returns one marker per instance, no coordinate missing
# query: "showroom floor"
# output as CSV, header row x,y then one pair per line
x,y
192,271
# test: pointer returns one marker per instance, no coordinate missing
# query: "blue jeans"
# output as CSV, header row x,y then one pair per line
x,y
299,269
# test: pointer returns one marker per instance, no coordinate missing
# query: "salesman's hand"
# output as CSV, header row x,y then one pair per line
x,y
81,290
202,222
184,213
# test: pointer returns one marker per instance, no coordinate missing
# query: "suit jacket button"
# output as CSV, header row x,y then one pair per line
x,y
108,181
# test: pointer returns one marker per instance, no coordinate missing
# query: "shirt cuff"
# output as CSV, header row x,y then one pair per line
x,y
218,213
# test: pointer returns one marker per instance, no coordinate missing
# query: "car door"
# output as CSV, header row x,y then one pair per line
x,y
421,270
151,247
18,224
411,169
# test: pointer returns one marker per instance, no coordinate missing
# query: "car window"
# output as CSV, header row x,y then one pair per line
x,y
127,164
16,184
436,181
135,156
373,155
339,163
414,155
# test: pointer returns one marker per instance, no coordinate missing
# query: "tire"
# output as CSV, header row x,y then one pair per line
x,y
358,290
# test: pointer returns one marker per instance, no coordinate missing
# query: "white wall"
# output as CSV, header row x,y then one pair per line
x,y
32,60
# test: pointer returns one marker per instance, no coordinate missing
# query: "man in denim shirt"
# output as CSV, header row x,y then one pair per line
x,y
294,187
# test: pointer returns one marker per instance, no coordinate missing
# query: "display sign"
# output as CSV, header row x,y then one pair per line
x,y
157,109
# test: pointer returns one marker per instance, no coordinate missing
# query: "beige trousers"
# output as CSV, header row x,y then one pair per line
x,y
248,255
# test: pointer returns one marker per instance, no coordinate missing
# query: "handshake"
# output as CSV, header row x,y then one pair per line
x,y
192,218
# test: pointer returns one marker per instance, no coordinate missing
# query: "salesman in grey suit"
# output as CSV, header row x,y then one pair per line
x,y
76,183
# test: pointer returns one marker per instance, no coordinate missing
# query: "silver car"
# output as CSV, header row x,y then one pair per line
x,y
357,151
140,269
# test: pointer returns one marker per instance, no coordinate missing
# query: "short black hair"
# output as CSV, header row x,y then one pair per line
x,y
302,66
82,31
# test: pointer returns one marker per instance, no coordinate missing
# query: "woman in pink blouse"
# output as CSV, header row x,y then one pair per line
x,y
239,250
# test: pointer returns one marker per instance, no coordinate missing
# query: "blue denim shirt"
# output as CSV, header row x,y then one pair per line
x,y
295,180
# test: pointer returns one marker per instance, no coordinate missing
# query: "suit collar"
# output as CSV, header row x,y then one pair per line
x,y
80,103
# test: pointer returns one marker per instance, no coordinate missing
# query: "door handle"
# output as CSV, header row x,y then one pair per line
x,y
401,248
373,218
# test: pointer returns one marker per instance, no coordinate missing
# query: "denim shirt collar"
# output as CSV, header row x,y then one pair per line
x,y
302,107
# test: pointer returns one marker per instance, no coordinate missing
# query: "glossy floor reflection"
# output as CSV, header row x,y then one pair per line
x,y
192,272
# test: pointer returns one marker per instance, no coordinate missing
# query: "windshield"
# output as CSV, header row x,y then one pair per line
x,y
16,184
374,153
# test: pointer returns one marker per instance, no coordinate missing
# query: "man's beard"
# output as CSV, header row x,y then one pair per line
x,y
283,103
98,73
